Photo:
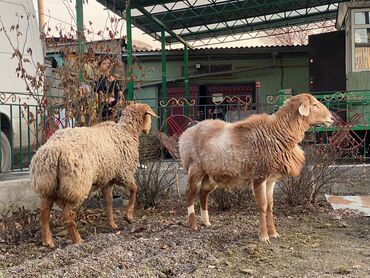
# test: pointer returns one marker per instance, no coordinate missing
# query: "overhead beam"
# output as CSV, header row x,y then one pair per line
x,y
145,3
259,26
209,42
160,23
114,6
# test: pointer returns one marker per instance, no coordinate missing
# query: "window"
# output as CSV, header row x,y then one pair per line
x,y
361,40
362,18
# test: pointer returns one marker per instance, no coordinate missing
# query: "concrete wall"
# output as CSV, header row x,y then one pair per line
x,y
358,81
16,194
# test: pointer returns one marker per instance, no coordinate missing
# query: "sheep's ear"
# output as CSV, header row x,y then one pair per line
x,y
304,108
151,113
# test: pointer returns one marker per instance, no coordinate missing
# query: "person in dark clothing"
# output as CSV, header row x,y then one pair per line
x,y
218,113
108,90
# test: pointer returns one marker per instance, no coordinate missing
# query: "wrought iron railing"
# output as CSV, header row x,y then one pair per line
x,y
176,113
24,127
351,112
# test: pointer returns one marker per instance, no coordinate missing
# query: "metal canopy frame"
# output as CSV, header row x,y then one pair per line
x,y
204,22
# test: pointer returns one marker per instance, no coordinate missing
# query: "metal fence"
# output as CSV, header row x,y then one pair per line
x,y
176,114
351,112
24,127
18,131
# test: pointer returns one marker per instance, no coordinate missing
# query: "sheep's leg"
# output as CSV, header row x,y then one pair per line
x,y
205,190
108,196
269,213
45,209
69,217
129,215
261,200
193,182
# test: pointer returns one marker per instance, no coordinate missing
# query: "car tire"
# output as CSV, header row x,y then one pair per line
x,y
5,153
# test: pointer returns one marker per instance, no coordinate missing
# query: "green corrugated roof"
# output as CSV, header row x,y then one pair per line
x,y
201,21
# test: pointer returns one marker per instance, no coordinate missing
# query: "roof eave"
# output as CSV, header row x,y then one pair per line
x,y
220,52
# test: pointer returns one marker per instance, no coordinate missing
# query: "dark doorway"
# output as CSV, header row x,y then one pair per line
x,y
327,64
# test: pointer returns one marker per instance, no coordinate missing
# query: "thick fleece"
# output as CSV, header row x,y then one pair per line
x,y
77,161
258,150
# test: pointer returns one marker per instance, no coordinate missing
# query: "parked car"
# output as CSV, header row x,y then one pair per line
x,y
16,135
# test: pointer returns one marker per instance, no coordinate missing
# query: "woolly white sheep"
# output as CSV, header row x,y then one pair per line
x,y
258,150
77,161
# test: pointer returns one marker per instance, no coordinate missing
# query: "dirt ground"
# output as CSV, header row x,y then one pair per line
x,y
314,243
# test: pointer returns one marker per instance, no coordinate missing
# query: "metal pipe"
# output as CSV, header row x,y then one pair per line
x,y
186,79
164,77
40,4
130,85
80,33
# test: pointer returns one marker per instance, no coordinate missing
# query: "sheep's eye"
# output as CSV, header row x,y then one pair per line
x,y
315,105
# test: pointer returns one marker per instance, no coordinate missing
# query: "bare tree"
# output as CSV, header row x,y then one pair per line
x,y
294,35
